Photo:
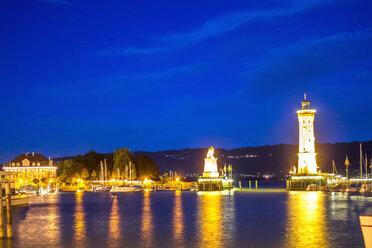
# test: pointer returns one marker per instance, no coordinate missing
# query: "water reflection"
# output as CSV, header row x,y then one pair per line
x,y
187,219
147,225
54,232
229,220
6,243
306,224
178,225
42,222
79,225
210,219
114,223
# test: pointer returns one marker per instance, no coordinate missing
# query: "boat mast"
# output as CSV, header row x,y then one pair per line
x,y
347,163
361,161
130,171
105,170
101,171
334,167
366,164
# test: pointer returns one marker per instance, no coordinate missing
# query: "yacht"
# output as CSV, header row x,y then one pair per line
x,y
99,188
17,200
120,188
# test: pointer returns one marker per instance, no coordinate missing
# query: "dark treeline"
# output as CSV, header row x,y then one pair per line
x,y
120,165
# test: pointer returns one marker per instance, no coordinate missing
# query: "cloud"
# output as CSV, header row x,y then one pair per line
x,y
225,24
113,52
127,84
159,74
300,63
61,2
210,29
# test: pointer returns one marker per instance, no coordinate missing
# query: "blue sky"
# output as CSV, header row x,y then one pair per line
x,y
154,75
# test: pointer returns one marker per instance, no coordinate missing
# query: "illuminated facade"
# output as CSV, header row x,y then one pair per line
x,y
306,156
26,167
210,165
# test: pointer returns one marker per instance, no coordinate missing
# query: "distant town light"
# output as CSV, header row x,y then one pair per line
x,y
307,177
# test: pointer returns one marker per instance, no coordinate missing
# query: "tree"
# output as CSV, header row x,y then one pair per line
x,y
76,176
89,161
164,178
123,158
35,181
84,174
146,168
93,175
66,169
43,180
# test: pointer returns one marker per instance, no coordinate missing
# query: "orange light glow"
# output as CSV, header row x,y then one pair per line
x,y
306,225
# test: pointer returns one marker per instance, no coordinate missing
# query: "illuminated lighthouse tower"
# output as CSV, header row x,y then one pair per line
x,y
306,156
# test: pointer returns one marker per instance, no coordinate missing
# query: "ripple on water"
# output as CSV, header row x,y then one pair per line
x,y
189,219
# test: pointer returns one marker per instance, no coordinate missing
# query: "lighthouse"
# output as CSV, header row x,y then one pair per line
x,y
306,156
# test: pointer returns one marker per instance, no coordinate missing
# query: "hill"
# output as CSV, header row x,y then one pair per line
x,y
277,159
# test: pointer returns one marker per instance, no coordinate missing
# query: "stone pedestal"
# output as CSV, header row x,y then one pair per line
x,y
206,184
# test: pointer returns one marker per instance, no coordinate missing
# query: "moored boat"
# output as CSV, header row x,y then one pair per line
x,y
352,189
120,188
99,188
17,200
366,224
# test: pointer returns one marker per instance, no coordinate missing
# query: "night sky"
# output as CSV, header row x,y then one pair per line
x,y
154,75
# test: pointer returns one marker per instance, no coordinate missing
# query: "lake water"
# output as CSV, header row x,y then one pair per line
x,y
191,219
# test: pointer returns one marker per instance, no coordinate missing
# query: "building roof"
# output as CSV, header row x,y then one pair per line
x,y
32,157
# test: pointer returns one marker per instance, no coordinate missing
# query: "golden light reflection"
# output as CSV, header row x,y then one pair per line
x,y
42,222
210,219
114,222
79,226
178,228
54,232
147,225
306,225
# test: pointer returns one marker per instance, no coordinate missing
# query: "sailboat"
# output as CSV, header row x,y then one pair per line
x,y
337,187
365,188
100,187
